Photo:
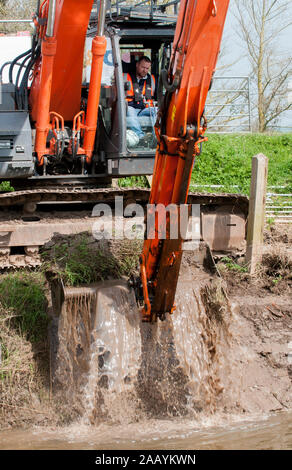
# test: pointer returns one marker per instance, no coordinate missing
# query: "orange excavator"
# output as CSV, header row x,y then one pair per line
x,y
63,111
65,132
180,130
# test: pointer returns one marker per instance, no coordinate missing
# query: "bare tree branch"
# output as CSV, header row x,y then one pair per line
x,y
261,23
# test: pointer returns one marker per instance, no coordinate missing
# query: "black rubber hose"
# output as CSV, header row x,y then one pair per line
x,y
5,65
2,68
20,68
24,82
170,87
14,62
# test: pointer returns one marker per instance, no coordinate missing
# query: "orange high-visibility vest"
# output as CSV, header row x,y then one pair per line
x,y
134,94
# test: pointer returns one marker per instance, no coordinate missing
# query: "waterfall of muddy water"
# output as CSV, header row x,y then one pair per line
x,y
114,355
202,339
114,368
70,347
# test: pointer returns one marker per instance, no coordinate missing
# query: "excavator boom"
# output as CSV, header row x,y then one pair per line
x,y
180,130
67,25
55,93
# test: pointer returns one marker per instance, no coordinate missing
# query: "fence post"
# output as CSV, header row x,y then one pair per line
x,y
256,212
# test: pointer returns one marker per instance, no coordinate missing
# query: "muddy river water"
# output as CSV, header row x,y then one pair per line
x,y
271,432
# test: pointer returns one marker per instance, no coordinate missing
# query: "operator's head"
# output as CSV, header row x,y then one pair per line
x,y
143,66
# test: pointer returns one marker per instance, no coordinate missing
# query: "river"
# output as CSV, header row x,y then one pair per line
x,y
270,432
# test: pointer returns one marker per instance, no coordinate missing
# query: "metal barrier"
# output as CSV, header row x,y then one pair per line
x,y
228,107
152,7
278,205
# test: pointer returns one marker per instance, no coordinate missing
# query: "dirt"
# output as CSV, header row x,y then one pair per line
x,y
273,275
262,330
251,353
260,353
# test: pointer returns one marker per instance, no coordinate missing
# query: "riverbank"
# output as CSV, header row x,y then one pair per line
x,y
259,371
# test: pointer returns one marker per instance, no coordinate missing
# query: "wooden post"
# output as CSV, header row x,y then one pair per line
x,y
115,183
256,213
149,179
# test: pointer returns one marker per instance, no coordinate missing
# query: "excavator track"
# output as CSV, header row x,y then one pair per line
x,y
25,227
70,195
108,195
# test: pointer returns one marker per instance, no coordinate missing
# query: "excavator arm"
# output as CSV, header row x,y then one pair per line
x,y
180,130
55,93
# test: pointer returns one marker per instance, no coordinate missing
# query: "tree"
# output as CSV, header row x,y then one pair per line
x,y
261,23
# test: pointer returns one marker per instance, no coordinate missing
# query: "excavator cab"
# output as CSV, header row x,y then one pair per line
x,y
131,31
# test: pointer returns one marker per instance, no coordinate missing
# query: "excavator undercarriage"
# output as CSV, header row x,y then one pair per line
x,y
29,219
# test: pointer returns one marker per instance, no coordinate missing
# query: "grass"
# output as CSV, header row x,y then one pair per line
x,y
24,364
226,161
16,351
24,377
5,186
132,181
231,265
79,259
23,295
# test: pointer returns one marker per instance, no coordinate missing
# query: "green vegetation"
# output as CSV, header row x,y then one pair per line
x,y
24,365
226,160
231,265
132,181
23,295
6,186
79,259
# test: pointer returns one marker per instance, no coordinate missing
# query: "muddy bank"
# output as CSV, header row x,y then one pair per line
x,y
262,369
225,350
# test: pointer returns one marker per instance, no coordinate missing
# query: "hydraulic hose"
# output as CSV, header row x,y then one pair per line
x,y
19,71
24,82
14,62
170,87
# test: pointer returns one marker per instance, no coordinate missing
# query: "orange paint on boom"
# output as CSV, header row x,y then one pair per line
x,y
180,130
